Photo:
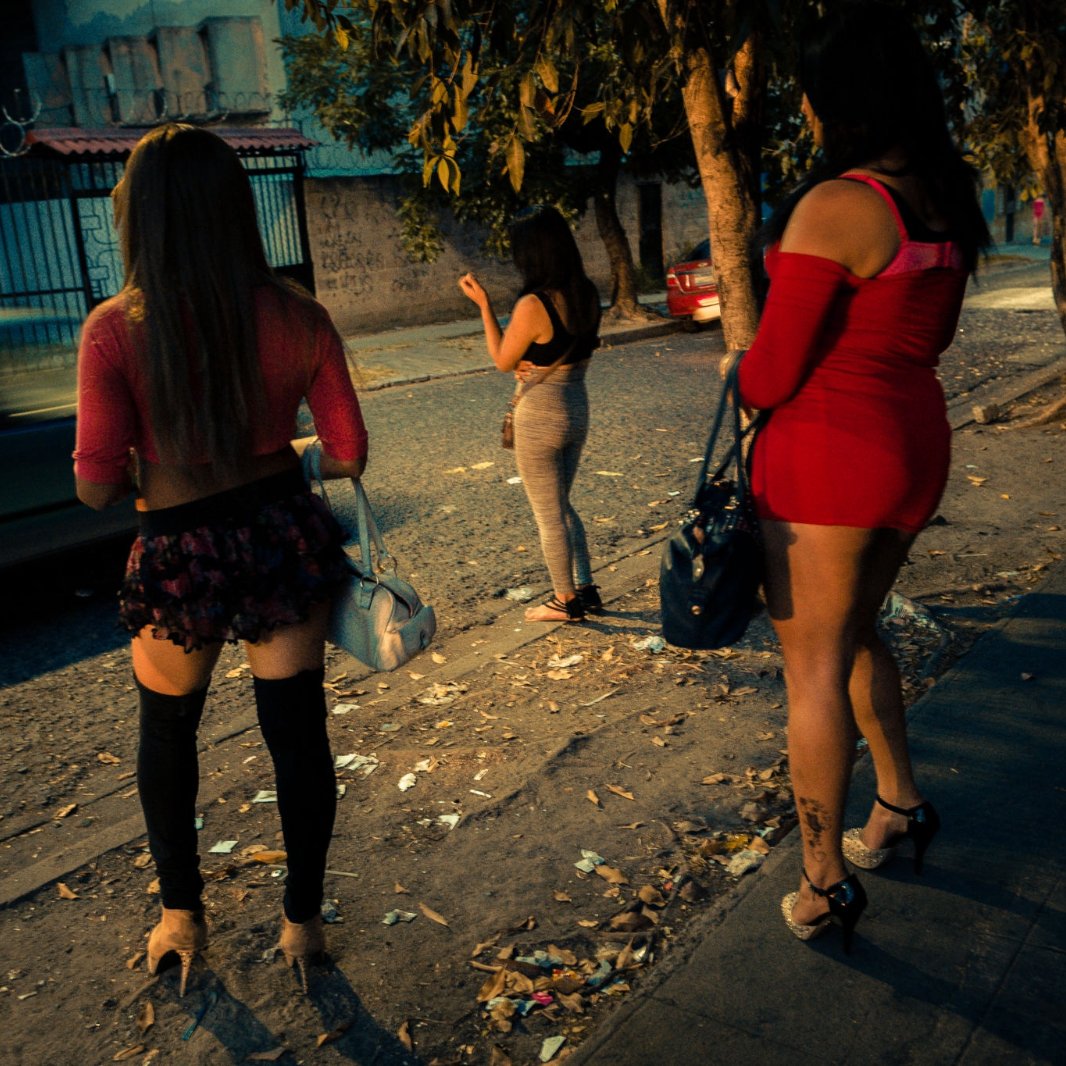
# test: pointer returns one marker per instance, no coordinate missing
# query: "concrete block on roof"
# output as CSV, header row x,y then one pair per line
x,y
137,81
86,70
237,60
48,85
183,69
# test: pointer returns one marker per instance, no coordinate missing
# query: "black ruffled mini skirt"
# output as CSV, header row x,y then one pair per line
x,y
233,566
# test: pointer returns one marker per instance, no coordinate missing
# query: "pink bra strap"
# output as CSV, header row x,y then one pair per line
x,y
885,195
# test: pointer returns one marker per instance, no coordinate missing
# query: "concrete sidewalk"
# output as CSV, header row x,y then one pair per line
x,y
418,353
965,964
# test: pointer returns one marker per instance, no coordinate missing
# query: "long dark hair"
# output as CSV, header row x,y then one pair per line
x,y
193,256
874,90
547,257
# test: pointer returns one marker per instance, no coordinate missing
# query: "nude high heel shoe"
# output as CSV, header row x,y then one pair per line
x,y
923,823
302,943
181,932
846,900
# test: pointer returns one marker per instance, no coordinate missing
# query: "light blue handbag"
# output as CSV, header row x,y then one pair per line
x,y
377,616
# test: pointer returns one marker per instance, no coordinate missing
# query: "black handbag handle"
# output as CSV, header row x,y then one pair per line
x,y
730,397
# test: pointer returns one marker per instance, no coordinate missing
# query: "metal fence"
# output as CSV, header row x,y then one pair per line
x,y
59,253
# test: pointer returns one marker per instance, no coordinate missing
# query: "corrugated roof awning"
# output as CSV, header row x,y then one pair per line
x,y
120,142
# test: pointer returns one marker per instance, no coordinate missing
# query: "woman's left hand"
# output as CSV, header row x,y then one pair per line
x,y
524,370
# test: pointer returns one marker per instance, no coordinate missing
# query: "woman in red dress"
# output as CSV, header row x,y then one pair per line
x,y
868,264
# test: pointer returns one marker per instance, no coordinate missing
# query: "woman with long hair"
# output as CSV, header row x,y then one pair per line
x,y
189,381
549,340
868,262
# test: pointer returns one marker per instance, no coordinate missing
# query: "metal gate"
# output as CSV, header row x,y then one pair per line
x,y
59,254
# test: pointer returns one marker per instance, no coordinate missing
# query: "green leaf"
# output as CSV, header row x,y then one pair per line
x,y
527,90
516,163
443,173
549,77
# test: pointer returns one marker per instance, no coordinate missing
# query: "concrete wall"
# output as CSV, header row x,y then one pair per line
x,y
364,278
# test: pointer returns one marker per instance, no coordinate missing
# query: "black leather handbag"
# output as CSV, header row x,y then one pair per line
x,y
713,565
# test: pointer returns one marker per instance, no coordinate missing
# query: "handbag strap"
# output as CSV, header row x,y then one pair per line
x,y
729,399
368,531
525,386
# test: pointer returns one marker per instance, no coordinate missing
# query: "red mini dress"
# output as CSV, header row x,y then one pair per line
x,y
858,432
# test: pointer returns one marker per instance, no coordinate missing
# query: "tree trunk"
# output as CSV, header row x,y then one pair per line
x,y
623,295
1046,152
725,174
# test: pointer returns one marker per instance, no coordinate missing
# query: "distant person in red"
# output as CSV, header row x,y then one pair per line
x,y
1038,220
868,262
196,370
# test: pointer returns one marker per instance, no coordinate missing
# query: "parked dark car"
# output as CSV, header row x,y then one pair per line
x,y
692,287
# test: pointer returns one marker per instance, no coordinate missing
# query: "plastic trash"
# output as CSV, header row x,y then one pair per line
x,y
653,644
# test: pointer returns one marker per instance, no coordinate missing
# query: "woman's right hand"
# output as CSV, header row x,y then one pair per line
x,y
470,287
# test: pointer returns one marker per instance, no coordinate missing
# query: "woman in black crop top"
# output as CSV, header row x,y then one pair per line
x,y
547,345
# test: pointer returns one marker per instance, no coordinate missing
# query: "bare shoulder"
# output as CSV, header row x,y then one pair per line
x,y
845,221
839,198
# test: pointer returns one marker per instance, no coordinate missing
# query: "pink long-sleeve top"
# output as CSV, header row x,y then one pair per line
x,y
112,395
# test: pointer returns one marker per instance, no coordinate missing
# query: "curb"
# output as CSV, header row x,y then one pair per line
x,y
960,413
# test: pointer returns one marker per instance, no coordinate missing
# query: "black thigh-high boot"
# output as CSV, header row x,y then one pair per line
x,y
168,778
292,716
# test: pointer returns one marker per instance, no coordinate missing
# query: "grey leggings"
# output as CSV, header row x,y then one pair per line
x,y
551,424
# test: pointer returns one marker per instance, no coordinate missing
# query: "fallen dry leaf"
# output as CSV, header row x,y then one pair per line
x,y
65,812
484,945
611,875
630,922
134,960
267,1056
562,897
270,857
108,758
593,798
128,1053
146,1017
334,1034
652,896
400,890
433,916
619,791
438,658
65,892
499,1057
587,923
403,1034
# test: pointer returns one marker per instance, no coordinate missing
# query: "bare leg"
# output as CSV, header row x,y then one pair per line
x,y
824,587
877,698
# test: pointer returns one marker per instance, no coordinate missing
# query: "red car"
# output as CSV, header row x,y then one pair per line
x,y
692,288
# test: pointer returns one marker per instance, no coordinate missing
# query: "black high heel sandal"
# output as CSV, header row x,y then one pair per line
x,y
555,610
589,595
847,901
923,823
